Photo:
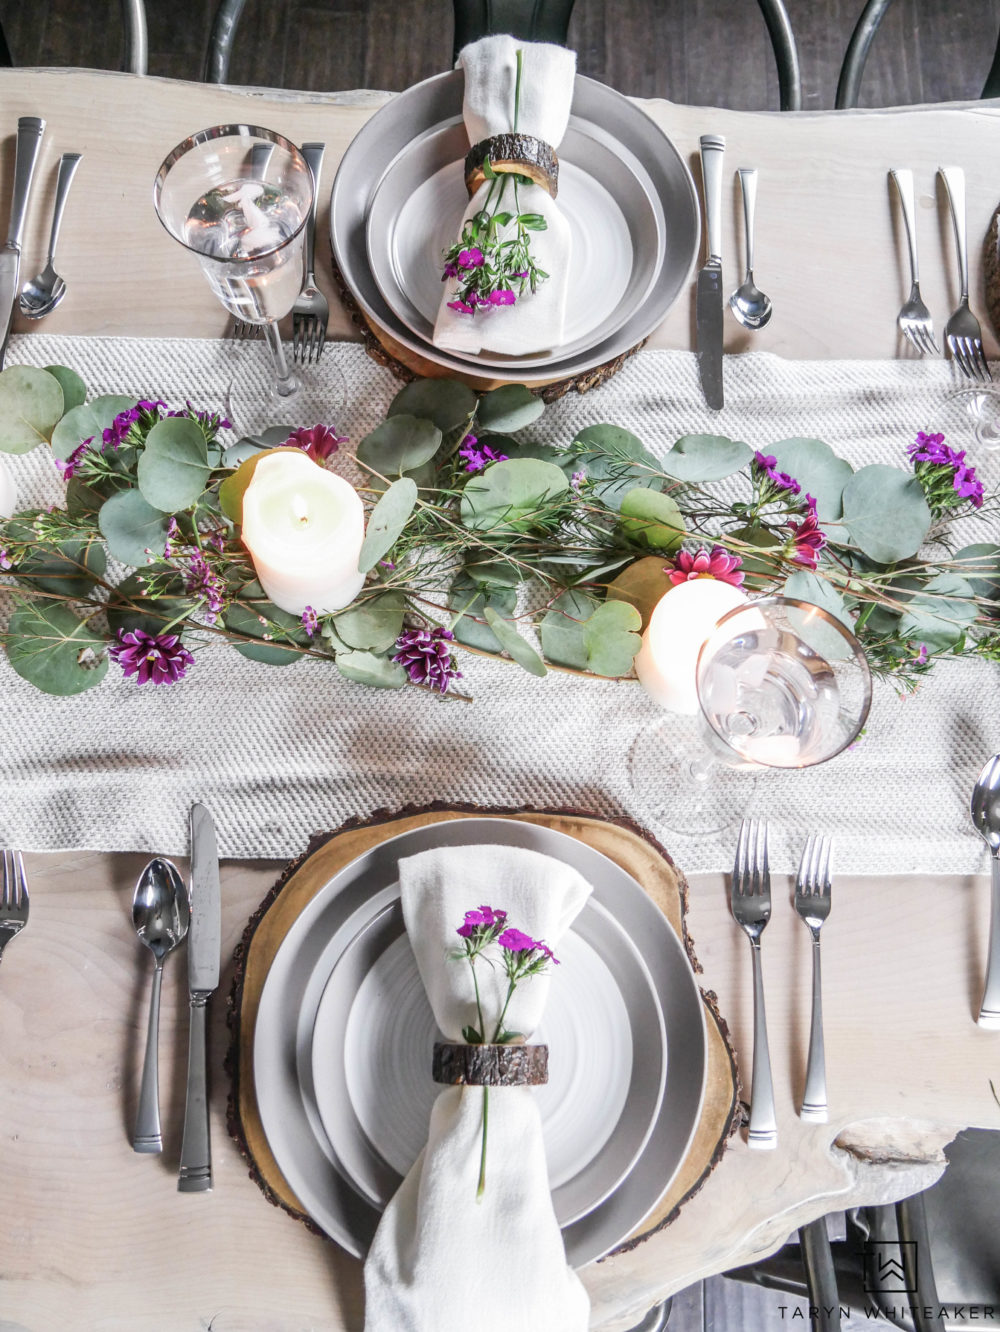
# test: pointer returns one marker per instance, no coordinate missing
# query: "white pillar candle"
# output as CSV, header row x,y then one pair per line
x,y
8,491
680,624
303,527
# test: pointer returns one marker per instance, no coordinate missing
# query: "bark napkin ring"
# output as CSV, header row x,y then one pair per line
x,y
490,1065
512,154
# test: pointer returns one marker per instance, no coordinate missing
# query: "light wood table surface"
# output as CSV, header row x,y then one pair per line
x,y
95,1237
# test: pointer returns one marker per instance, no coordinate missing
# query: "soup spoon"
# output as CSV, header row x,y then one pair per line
x,y
750,306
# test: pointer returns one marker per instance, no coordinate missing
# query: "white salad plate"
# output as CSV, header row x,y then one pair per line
x,y
616,222
305,961
598,113
373,1042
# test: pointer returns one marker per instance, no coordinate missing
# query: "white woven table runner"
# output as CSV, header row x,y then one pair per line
x,y
278,753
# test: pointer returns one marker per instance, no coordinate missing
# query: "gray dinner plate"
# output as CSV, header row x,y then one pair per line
x,y
303,963
373,1041
438,101
616,227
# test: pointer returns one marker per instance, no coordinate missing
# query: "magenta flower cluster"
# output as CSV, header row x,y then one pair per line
x,y
932,451
483,925
477,456
320,443
499,296
426,656
155,658
486,918
201,580
765,468
704,563
465,262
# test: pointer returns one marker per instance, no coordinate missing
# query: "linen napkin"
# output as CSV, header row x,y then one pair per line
x,y
441,1260
535,323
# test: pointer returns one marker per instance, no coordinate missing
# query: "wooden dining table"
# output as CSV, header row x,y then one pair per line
x,y
93,1236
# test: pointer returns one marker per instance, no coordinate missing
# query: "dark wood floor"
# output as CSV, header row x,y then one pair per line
x,y
702,52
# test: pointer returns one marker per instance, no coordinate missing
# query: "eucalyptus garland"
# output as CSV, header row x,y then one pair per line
x,y
478,539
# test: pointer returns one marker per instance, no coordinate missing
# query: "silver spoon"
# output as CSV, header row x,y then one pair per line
x,y
161,912
43,293
750,306
986,819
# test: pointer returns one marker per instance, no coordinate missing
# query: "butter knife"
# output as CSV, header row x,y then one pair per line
x,y
204,945
709,301
29,142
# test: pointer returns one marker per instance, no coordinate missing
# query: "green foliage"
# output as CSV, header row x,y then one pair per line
x,y
446,403
509,408
73,387
591,635
368,668
173,467
472,597
372,625
615,461
244,617
939,611
55,650
131,607
885,513
31,402
643,584
512,643
507,496
806,586
701,458
386,522
88,421
399,445
980,567
133,529
67,568
818,471
652,519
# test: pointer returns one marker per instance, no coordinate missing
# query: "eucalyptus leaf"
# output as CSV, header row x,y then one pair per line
x,y
173,468
939,612
68,569
386,522
243,617
818,471
73,387
472,599
242,450
886,513
368,669
374,624
507,496
699,458
509,408
88,421
235,486
980,567
133,529
51,648
31,403
803,585
400,444
652,518
643,584
511,641
615,461
83,498
130,606
491,572
598,636
448,403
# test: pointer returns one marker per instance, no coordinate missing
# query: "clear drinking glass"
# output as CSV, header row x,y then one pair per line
x,y
781,684
979,407
239,197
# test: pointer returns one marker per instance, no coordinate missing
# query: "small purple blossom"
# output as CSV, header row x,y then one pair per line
x,y
72,464
462,307
471,258
502,296
577,480
929,452
426,657
807,541
715,563
310,621
516,941
486,917
5,561
201,580
160,658
477,458
765,466
920,658
320,443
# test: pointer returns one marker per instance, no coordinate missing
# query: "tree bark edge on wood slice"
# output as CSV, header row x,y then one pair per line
x,y
458,1065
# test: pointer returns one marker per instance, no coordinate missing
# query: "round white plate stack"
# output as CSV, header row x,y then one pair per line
x,y
344,1036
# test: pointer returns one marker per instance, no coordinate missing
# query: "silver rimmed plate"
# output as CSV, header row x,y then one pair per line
x,y
616,225
304,961
374,1036
438,101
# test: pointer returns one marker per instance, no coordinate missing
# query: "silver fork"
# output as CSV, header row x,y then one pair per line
x,y
750,900
13,898
260,157
962,333
812,902
914,319
311,311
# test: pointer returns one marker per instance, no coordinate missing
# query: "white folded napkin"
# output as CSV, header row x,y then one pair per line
x,y
443,1260
535,322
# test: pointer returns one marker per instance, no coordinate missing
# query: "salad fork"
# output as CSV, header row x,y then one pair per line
x,y
812,902
750,901
311,311
962,333
13,898
914,319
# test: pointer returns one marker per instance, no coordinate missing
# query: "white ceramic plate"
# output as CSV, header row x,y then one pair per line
x,y
374,1036
615,218
297,977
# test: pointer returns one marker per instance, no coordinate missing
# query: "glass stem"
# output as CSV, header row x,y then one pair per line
x,y
700,767
285,383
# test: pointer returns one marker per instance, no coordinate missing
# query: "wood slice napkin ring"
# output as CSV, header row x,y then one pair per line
x,y
490,1065
517,154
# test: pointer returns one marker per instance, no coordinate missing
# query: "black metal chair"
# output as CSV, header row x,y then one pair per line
x,y
853,68
532,20
136,54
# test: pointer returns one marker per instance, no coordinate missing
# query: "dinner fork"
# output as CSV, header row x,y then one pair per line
x,y
914,319
260,156
750,900
812,902
962,333
13,898
311,311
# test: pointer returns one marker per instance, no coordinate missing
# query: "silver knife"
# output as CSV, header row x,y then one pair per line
x,y
708,306
29,142
204,945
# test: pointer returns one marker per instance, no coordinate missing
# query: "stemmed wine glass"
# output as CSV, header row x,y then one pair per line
x,y
781,684
239,197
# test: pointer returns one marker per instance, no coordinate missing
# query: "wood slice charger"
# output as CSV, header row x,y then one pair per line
x,y
619,839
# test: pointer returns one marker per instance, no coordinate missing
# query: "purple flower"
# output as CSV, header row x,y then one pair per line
x,y
477,458
473,258
933,452
461,307
172,531
485,918
765,465
310,622
71,466
966,484
577,480
921,656
807,541
320,443
214,420
450,271
157,657
426,657
516,941
5,561
715,563
929,448
200,580
502,296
